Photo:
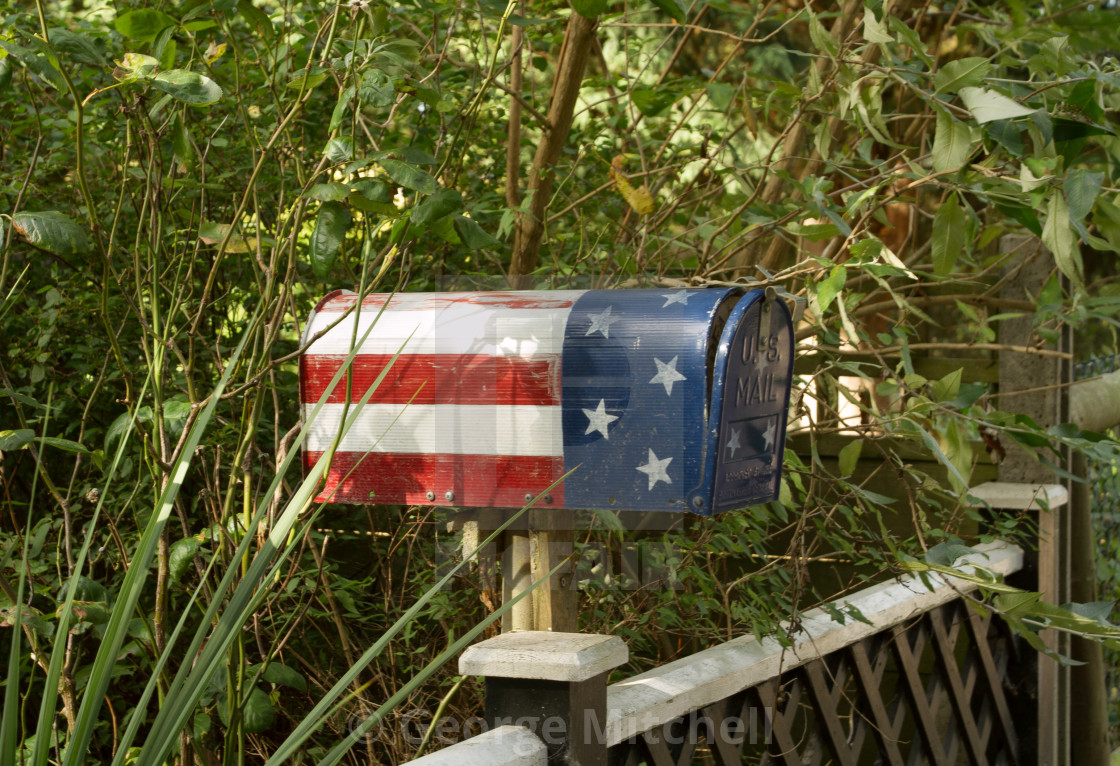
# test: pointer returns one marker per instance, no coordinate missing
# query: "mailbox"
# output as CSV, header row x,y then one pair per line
x,y
652,399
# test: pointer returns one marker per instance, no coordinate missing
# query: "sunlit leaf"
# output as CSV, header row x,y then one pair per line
x,y
987,105
52,231
1058,236
962,73
188,87
13,440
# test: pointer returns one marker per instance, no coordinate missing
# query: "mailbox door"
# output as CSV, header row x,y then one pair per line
x,y
635,394
750,403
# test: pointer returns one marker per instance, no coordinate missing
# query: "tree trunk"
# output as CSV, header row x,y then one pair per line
x,y
565,90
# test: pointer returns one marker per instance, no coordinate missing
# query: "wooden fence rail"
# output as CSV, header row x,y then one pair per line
x,y
918,676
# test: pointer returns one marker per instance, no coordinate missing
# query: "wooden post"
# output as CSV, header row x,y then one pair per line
x,y
556,602
554,684
1048,741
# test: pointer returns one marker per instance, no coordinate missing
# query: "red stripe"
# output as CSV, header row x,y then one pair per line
x,y
437,379
475,480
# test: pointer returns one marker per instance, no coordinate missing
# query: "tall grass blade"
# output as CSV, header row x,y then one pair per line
x,y
339,750
191,681
321,711
117,628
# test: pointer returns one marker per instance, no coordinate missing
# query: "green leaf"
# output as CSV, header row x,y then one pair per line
x,y
52,231
282,675
589,9
12,440
372,195
77,46
946,389
822,40
37,62
188,87
873,29
1058,236
21,398
721,94
947,553
1016,604
5,80
256,18
443,203
307,80
257,713
830,287
409,176
950,236
143,24
1081,188
952,143
962,73
653,101
134,65
988,106
849,456
63,444
673,8
472,234
181,556
326,240
932,445
911,39
332,192
339,149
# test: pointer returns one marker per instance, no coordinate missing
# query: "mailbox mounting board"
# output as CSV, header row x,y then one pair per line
x,y
648,399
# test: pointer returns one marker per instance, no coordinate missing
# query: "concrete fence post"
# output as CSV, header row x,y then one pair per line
x,y
554,684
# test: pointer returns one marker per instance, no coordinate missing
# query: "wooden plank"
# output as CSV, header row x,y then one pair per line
x,y
944,646
916,691
827,715
978,629
503,746
556,602
650,699
869,681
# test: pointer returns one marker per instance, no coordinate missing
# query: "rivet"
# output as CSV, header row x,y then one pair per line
x,y
431,495
528,497
697,502
548,499
449,496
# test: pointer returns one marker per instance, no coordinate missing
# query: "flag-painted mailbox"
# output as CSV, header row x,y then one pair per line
x,y
654,399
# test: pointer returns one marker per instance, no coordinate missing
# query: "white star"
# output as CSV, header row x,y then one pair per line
x,y
769,435
599,419
677,296
733,444
667,374
602,322
655,469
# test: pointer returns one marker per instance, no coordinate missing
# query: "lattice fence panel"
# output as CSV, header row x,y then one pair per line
x,y
926,692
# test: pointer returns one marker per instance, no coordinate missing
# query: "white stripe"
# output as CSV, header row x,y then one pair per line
x,y
460,328
477,429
